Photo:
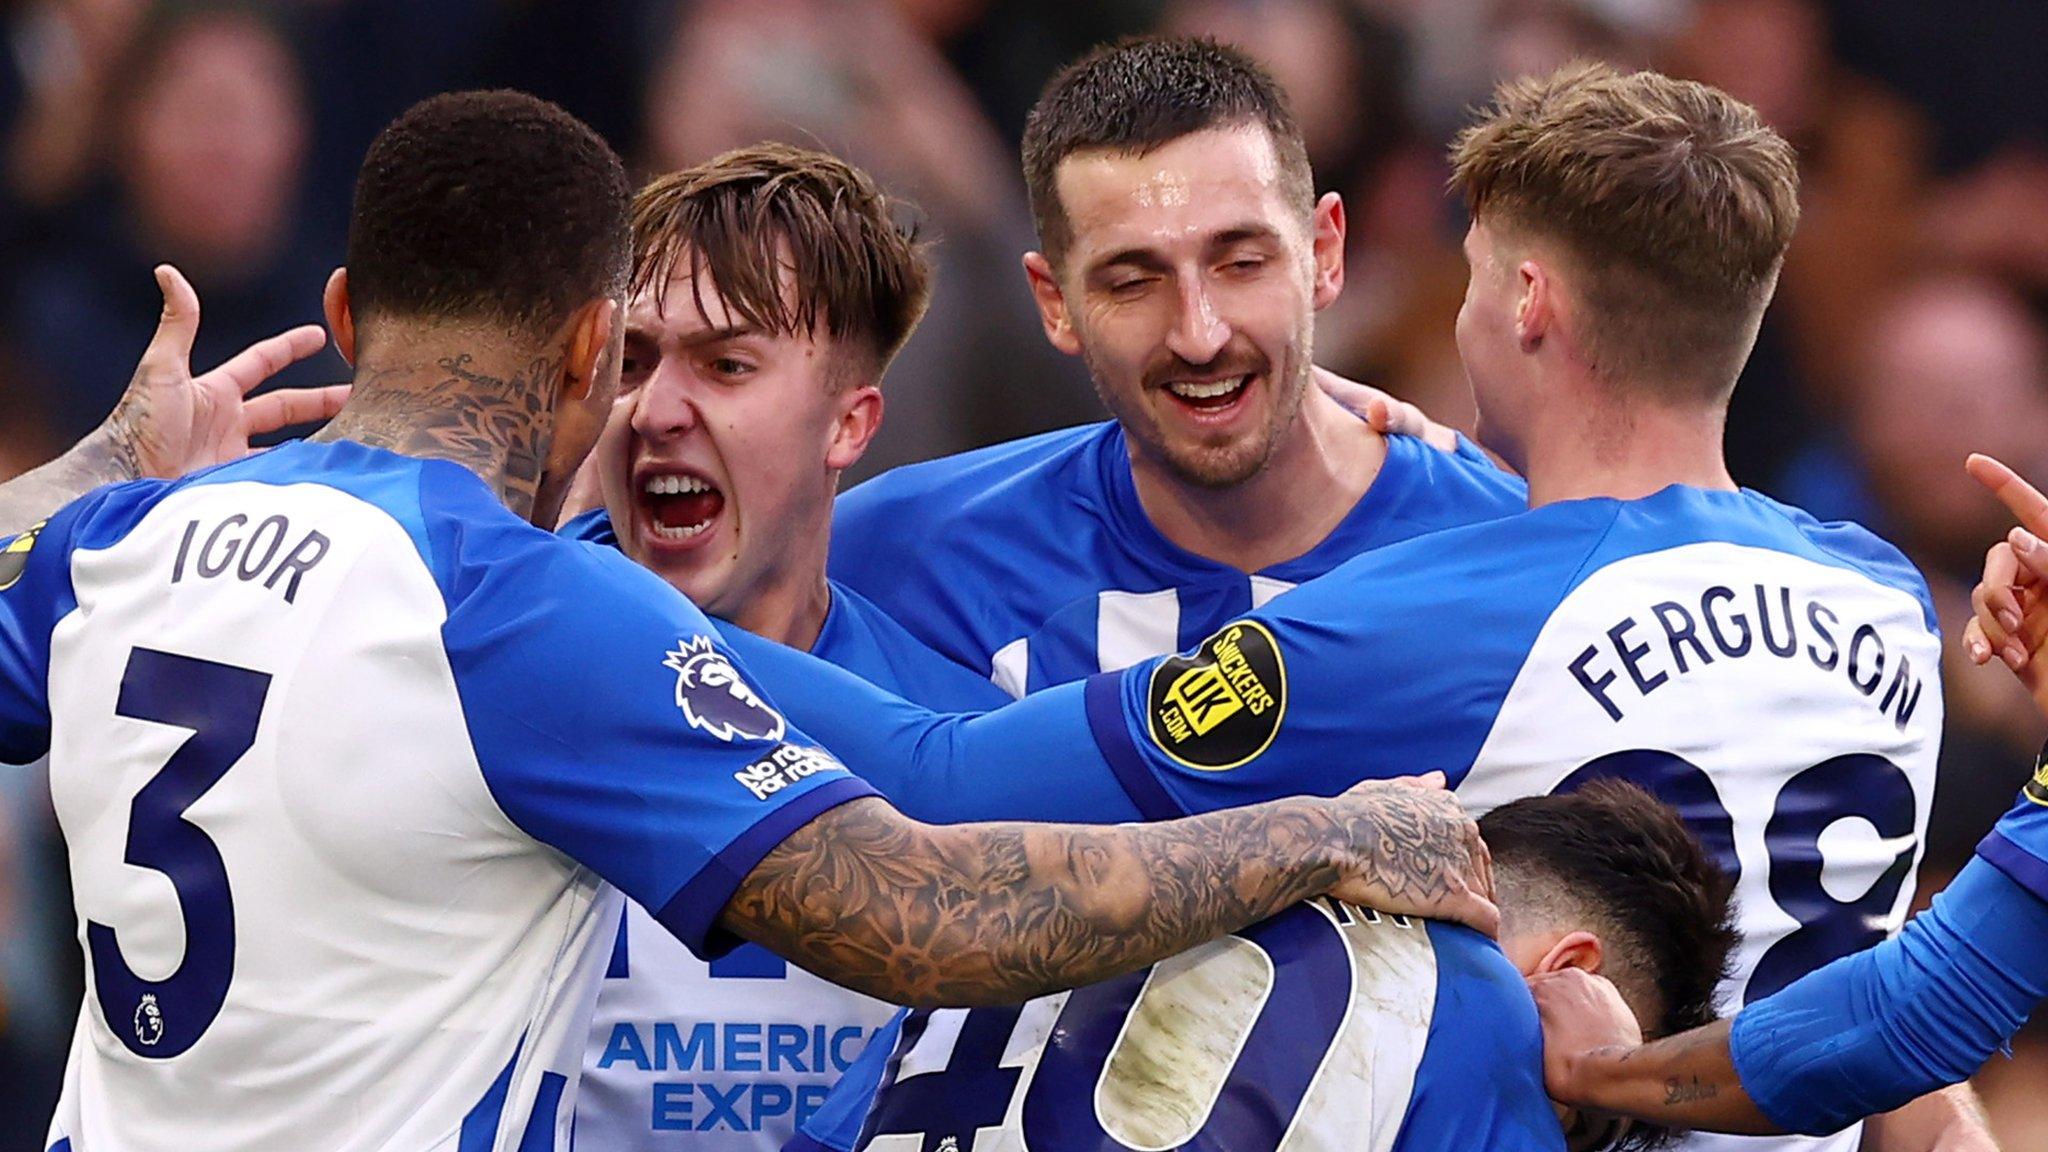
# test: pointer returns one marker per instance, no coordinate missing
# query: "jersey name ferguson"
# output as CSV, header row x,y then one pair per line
x,y
344,755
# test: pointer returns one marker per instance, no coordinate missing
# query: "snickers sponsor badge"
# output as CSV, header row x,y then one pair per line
x,y
1219,707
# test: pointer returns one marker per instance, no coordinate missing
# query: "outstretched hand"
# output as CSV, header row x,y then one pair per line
x,y
2010,602
170,422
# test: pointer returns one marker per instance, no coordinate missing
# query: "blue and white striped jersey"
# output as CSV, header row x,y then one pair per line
x,y
1034,563
730,1055
345,755
1773,678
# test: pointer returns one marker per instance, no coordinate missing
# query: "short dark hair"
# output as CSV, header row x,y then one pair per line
x,y
1145,91
1676,201
488,206
1616,855
856,271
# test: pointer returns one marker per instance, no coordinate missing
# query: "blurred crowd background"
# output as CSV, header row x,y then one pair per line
x,y
1908,330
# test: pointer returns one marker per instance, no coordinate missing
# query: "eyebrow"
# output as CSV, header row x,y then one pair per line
x,y
652,332
1150,260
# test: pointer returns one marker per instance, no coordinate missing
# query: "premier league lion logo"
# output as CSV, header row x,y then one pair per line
x,y
713,697
149,1020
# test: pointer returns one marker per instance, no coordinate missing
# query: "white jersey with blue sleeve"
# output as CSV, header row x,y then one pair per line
x,y
1324,1029
731,1054
345,755
1034,562
1775,679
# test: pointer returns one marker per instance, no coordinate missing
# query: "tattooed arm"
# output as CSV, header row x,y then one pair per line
x,y
170,422
1594,1058
998,913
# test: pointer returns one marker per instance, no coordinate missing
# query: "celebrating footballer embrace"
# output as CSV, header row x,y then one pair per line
x,y
525,745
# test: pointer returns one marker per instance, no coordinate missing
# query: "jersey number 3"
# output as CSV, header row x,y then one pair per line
x,y
221,704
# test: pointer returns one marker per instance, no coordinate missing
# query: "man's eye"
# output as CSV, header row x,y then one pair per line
x,y
1130,285
727,366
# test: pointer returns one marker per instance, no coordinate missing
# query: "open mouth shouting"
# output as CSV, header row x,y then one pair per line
x,y
678,508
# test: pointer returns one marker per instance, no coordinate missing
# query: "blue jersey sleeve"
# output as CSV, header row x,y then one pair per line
x,y
1483,1018
35,593
1393,664
2018,844
1884,1026
610,723
1030,760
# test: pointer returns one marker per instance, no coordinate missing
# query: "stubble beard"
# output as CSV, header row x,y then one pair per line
x,y
1222,466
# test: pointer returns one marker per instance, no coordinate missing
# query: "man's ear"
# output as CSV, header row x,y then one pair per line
x,y
1537,303
590,334
1581,950
1052,303
860,417
1327,237
341,322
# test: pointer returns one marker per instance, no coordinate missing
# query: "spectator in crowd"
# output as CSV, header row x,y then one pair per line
x,y
853,77
210,132
1945,367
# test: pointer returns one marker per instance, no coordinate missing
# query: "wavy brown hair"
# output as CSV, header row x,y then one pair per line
x,y
794,240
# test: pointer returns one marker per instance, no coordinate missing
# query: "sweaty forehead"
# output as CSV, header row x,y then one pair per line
x,y
1183,190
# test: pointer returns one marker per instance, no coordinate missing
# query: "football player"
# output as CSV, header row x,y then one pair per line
x,y
1184,256
1355,1030
345,749
771,289
1767,674
1923,1009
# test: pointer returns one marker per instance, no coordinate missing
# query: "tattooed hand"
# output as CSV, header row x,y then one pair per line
x,y
1414,851
170,422
998,913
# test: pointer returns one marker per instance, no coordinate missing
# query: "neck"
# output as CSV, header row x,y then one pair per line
x,y
1626,454
791,612
788,601
488,413
1324,462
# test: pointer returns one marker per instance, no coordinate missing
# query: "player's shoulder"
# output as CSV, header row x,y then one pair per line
x,y
1852,546
1679,516
1483,1017
863,639
968,483
1464,480
1462,567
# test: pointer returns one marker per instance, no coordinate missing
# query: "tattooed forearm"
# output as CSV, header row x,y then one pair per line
x,y
1688,1090
1685,1082
997,913
100,458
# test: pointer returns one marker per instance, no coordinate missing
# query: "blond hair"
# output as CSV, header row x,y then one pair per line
x,y
1673,201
